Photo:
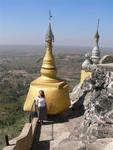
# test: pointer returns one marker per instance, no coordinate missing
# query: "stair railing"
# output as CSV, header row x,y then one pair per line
x,y
33,113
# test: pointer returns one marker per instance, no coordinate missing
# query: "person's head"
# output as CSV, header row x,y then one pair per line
x,y
41,93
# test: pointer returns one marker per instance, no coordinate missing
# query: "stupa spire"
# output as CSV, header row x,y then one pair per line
x,y
96,51
97,36
48,67
49,34
55,89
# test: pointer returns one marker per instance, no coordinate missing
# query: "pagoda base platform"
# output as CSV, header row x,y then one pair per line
x,y
56,93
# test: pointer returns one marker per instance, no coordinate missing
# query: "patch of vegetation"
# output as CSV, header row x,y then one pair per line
x,y
12,120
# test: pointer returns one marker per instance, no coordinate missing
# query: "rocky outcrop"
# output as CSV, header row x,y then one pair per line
x,y
80,95
98,117
96,130
71,145
101,144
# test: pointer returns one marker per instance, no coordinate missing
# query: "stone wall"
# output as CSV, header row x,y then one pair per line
x,y
25,139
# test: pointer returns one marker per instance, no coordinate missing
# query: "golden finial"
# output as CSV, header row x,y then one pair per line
x,y
49,34
48,67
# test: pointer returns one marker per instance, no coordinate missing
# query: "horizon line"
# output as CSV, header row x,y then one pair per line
x,y
60,45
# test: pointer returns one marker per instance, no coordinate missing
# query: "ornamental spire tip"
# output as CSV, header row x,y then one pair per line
x,y
49,34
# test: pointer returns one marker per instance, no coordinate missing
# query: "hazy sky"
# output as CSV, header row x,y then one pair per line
x,y
74,21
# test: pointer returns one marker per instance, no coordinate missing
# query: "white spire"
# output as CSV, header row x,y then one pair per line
x,y
96,51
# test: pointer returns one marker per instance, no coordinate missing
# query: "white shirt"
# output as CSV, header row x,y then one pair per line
x,y
40,101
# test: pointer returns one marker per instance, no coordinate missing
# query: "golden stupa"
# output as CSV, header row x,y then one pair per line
x,y
56,90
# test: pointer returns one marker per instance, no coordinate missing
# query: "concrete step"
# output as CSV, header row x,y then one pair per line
x,y
50,134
